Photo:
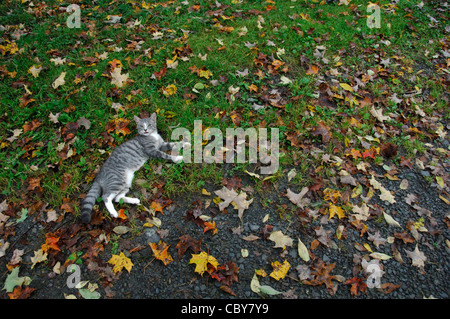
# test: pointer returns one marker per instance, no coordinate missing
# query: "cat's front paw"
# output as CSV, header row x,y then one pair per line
x,y
177,159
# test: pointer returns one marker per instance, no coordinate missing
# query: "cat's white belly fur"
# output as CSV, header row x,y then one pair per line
x,y
129,175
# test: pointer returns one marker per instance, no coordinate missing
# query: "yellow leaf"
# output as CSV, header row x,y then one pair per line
x,y
366,246
280,269
336,210
205,192
261,272
169,90
440,181
120,261
331,194
346,87
202,261
205,73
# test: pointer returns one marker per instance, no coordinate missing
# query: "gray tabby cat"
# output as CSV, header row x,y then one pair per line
x,y
115,177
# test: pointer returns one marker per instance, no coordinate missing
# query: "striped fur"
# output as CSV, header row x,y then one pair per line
x,y
115,177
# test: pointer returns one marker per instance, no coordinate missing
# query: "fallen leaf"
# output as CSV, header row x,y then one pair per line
x,y
160,252
39,256
59,81
297,199
202,261
187,242
13,280
302,251
280,269
418,258
336,210
117,78
391,221
280,240
357,284
120,261
346,87
35,70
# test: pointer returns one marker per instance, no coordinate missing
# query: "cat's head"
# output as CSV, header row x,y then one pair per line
x,y
147,125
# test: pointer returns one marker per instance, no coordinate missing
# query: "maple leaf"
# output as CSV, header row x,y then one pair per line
x,y
187,242
313,69
120,261
202,261
378,114
115,64
119,125
357,284
320,275
280,240
21,293
354,153
117,78
336,210
169,90
418,258
158,75
210,226
279,269
160,252
230,196
331,194
369,153
51,242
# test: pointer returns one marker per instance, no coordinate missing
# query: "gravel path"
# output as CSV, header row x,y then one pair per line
x,y
149,278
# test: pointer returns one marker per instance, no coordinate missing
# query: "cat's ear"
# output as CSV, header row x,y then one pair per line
x,y
153,118
136,119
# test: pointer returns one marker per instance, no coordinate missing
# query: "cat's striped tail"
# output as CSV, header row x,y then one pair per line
x,y
89,201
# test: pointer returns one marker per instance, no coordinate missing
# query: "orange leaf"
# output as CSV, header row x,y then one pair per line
x,y
369,153
160,252
157,207
210,226
122,214
314,69
354,153
50,243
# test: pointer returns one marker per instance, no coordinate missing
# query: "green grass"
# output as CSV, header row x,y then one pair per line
x,y
351,49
